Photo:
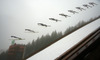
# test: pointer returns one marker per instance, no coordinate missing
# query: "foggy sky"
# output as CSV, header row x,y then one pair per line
x,y
18,15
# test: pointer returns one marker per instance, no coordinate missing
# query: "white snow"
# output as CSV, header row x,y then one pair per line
x,y
58,48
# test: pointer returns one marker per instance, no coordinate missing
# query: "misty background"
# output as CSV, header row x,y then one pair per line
x,y
18,15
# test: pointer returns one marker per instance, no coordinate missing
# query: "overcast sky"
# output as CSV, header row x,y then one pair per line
x,y
18,15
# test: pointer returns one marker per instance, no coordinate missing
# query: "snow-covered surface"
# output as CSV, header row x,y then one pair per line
x,y
56,49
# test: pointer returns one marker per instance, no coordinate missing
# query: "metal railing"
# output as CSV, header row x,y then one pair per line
x,y
81,46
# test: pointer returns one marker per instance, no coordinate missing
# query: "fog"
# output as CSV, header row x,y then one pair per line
x,y
18,15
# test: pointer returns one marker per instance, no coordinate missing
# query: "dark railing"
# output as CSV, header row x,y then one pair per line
x,y
82,45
